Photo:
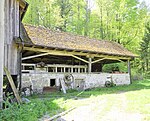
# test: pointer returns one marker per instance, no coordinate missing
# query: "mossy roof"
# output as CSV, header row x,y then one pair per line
x,y
41,36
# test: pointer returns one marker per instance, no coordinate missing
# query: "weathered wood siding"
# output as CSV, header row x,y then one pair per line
x,y
1,49
11,31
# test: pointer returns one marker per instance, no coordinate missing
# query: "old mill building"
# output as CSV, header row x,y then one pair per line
x,y
47,56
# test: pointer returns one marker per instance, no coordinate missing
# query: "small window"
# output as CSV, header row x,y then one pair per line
x,y
59,69
82,70
51,69
75,70
67,69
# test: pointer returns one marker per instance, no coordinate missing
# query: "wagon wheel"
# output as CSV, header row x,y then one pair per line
x,y
108,84
68,79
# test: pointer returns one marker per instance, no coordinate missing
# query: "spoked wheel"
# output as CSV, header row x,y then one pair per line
x,y
68,79
108,84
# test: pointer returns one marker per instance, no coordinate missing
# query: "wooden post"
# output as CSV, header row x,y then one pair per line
x,y
90,65
56,69
64,69
2,35
13,85
129,71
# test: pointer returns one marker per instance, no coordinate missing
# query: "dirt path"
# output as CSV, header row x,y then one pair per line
x,y
103,110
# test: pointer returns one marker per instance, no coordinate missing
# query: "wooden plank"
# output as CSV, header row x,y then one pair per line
x,y
11,21
98,60
129,70
80,59
2,35
17,19
63,85
34,56
7,33
114,59
12,85
65,53
7,21
10,60
90,65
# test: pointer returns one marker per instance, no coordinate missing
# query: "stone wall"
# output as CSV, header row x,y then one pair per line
x,y
83,81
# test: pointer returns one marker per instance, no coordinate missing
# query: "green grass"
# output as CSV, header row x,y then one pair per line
x,y
137,100
31,111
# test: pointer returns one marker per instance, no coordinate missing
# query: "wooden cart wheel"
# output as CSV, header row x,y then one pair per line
x,y
108,84
68,79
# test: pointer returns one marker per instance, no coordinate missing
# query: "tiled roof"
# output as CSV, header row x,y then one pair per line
x,y
45,37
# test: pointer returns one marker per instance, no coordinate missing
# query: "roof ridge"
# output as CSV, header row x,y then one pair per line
x,y
78,35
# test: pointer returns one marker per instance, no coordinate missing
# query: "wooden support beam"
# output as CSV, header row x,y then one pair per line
x,y
51,52
12,85
129,70
64,69
65,53
107,59
56,69
90,65
2,35
34,56
80,59
114,59
98,60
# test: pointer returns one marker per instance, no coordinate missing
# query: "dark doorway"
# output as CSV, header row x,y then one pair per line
x,y
52,82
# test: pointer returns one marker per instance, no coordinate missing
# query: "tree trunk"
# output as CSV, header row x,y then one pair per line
x,y
86,19
2,48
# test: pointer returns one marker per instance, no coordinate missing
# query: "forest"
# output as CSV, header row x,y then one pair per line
x,y
126,22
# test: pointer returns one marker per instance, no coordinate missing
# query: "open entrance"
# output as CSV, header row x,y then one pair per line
x,y
52,82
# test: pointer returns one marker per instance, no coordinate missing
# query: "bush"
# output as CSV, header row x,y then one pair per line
x,y
122,67
28,112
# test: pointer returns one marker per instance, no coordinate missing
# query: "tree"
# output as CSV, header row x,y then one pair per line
x,y
145,50
43,12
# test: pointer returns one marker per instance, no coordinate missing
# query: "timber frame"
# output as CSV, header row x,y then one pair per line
x,y
40,44
35,48
89,58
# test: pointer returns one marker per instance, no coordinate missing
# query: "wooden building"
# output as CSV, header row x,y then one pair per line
x,y
49,55
12,14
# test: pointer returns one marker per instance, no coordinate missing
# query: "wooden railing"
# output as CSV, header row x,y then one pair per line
x,y
55,68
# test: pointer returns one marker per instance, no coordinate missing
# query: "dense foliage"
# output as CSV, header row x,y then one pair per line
x,y
122,21
29,112
145,51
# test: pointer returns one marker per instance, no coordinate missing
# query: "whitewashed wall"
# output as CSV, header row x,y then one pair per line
x,y
40,80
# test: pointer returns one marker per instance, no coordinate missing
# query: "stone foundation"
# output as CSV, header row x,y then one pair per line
x,y
81,81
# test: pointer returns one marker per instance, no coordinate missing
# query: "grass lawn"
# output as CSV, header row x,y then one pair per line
x,y
134,98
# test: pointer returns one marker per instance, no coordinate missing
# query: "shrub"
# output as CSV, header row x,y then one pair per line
x,y
31,111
